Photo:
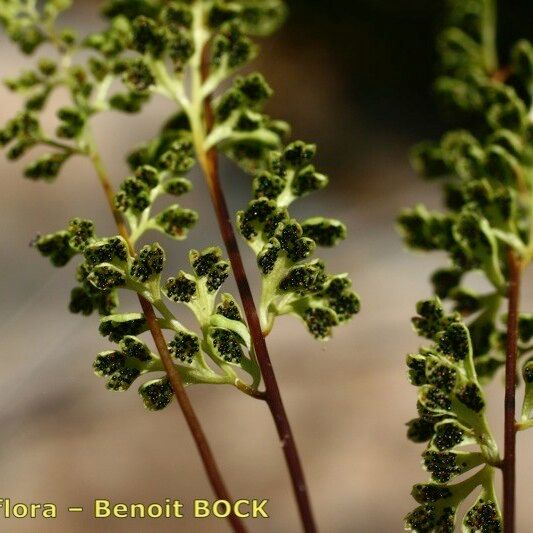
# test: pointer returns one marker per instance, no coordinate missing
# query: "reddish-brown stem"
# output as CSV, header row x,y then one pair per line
x,y
502,74
272,393
200,439
509,459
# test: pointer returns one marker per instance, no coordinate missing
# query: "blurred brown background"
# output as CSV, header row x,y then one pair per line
x,y
353,77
